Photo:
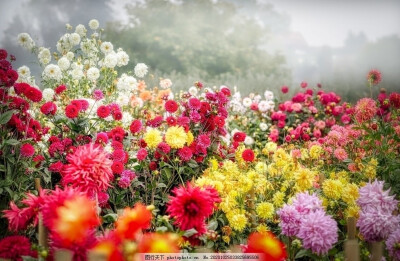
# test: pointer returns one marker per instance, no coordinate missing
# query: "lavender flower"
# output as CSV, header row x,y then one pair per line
x,y
372,196
376,225
306,203
290,220
318,231
393,245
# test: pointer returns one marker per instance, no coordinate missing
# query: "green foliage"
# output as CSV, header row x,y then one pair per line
x,y
213,41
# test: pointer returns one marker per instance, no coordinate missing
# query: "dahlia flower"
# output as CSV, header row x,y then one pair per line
x,y
267,244
132,220
191,206
373,197
152,137
306,203
14,247
365,110
75,218
374,76
27,150
318,231
376,225
89,169
175,137
290,220
393,243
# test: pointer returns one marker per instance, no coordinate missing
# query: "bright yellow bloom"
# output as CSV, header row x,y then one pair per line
x,y
315,151
350,193
352,211
262,228
332,188
304,179
152,137
237,221
271,146
261,167
189,138
265,210
278,198
176,137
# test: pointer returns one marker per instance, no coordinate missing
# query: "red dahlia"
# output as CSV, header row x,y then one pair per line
x,y
33,94
239,136
171,106
248,155
60,89
117,167
135,127
27,150
103,111
71,111
374,77
185,153
14,247
191,206
49,108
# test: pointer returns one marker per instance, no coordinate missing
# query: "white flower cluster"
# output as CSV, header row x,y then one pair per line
x,y
165,83
25,40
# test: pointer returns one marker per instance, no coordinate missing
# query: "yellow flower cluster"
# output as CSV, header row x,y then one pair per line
x,y
370,169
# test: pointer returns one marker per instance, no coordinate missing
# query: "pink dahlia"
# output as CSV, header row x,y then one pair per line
x,y
306,203
393,243
27,150
14,247
318,231
191,206
376,225
374,76
89,169
18,219
290,220
340,154
185,153
373,197
365,110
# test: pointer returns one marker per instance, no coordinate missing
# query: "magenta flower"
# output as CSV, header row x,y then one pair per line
x,y
392,244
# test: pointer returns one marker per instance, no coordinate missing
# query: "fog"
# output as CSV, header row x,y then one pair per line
x,y
334,43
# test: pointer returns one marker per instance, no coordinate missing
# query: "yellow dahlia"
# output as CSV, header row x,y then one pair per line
x,y
265,210
152,137
176,137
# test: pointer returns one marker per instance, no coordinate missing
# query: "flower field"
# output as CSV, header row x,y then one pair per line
x,y
95,162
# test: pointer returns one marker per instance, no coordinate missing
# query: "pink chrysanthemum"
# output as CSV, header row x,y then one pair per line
x,y
290,220
340,154
393,243
89,169
185,153
306,203
27,150
18,219
319,232
14,247
365,110
374,198
376,225
191,206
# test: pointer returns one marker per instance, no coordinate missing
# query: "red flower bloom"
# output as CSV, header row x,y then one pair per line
x,y
56,166
136,126
164,147
3,54
394,99
248,155
60,89
266,243
27,150
225,90
14,247
117,167
103,111
171,106
117,115
89,169
18,219
191,206
239,136
71,111
38,159
20,88
204,140
101,138
33,94
303,84
141,154
49,108
219,121
284,89
153,165
171,121
374,77
194,103
77,104
185,153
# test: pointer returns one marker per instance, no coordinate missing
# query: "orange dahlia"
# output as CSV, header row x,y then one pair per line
x,y
133,220
75,219
267,244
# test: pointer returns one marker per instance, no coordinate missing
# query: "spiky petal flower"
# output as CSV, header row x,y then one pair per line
x,y
191,206
132,220
318,231
267,244
373,197
376,225
365,109
89,169
14,247
75,219
393,245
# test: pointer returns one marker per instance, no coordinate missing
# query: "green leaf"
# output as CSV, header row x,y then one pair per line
x,y
162,229
12,142
302,253
5,117
161,185
213,225
190,232
110,218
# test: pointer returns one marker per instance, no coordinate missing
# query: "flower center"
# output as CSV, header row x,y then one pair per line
x,y
192,208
